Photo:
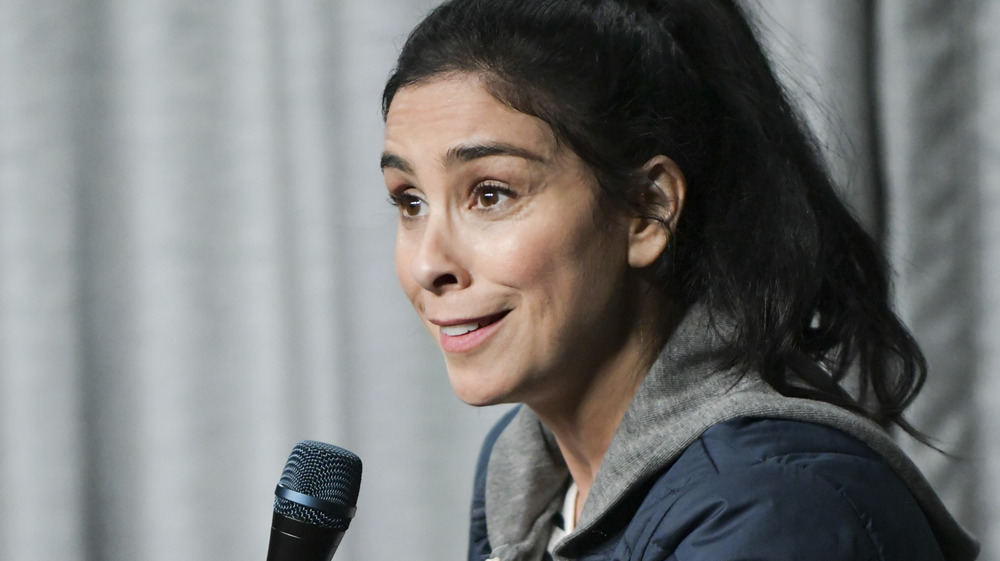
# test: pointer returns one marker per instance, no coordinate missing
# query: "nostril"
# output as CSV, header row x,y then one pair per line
x,y
444,280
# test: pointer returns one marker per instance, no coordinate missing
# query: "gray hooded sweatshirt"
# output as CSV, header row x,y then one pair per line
x,y
684,394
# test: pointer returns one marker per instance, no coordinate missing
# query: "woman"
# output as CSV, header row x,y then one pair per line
x,y
610,214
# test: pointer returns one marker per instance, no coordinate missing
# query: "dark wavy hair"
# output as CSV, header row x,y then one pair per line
x,y
763,239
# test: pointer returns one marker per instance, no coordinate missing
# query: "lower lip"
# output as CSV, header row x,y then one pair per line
x,y
470,340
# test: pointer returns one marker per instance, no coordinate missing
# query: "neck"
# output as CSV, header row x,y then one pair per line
x,y
584,423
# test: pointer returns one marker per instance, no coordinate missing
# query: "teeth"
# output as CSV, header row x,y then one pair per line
x,y
461,329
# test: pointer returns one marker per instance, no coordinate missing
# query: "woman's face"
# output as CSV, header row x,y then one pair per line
x,y
503,245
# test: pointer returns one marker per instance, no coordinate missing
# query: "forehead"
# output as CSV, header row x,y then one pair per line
x,y
454,110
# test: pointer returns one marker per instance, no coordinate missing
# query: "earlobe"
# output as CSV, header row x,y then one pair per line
x,y
659,199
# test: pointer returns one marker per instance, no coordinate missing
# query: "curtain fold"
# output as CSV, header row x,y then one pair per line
x,y
984,245
927,75
40,396
196,262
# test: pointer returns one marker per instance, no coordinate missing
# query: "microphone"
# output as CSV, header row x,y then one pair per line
x,y
314,502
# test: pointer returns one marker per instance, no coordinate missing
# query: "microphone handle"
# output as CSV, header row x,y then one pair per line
x,y
292,540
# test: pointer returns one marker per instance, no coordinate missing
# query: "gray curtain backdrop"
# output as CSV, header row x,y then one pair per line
x,y
196,263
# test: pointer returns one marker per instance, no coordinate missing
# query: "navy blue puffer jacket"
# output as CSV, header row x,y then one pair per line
x,y
752,489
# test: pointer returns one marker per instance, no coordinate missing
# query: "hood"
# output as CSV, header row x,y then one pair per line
x,y
684,393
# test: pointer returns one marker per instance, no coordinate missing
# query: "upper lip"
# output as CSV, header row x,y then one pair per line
x,y
488,318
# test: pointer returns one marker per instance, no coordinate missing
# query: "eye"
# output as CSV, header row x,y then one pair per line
x,y
409,205
491,194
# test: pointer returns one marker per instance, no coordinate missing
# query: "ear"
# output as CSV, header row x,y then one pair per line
x,y
659,199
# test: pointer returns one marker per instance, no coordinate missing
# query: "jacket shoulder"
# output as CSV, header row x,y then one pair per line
x,y
773,490
479,545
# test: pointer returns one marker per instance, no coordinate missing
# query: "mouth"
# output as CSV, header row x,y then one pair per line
x,y
459,329
465,335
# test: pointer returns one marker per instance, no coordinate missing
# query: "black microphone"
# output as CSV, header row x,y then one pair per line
x,y
314,502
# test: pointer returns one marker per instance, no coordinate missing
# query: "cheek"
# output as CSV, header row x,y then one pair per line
x,y
403,258
544,258
520,259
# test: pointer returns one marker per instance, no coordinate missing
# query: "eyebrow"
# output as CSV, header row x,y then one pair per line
x,y
465,153
390,160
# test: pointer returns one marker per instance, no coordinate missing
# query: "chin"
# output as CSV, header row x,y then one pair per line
x,y
474,389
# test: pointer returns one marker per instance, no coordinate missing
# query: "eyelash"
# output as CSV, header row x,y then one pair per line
x,y
402,201
398,200
491,186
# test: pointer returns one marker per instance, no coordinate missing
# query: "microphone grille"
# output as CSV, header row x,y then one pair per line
x,y
323,471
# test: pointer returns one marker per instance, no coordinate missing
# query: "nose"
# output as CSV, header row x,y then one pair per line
x,y
438,264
